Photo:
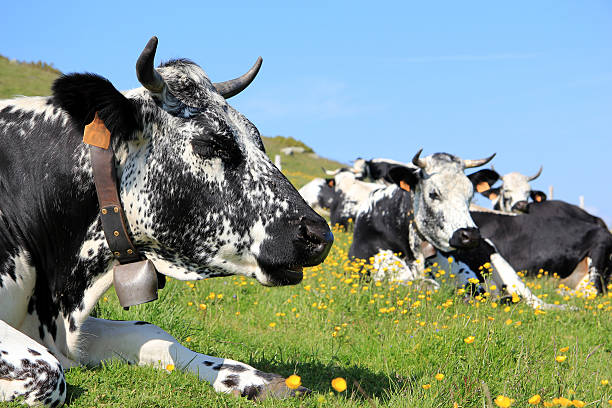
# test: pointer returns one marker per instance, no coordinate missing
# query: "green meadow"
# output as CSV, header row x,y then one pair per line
x,y
388,342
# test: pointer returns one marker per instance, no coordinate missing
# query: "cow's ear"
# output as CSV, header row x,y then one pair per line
x,y
330,182
405,177
537,196
492,193
483,179
82,95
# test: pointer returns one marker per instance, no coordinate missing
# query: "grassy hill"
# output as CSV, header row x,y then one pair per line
x,y
25,78
22,78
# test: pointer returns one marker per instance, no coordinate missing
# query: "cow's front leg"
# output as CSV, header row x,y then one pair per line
x,y
146,344
504,275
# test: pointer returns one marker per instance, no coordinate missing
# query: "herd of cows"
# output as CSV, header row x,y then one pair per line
x,y
200,198
415,214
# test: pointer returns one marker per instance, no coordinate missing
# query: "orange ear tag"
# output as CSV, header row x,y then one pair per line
x,y
96,134
492,196
482,186
403,185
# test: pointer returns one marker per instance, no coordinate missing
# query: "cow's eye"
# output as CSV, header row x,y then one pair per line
x,y
214,146
434,195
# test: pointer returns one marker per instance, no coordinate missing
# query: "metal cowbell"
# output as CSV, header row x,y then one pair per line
x,y
135,283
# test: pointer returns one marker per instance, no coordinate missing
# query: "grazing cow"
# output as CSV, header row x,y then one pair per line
x,y
554,236
430,206
201,199
514,193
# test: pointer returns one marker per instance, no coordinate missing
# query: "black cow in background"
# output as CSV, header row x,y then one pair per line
x,y
551,235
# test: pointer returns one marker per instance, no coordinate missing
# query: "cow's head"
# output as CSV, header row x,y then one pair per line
x,y
514,193
441,195
201,196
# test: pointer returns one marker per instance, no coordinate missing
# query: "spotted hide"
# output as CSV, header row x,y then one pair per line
x,y
201,198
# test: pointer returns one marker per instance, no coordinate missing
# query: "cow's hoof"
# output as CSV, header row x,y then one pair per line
x,y
277,388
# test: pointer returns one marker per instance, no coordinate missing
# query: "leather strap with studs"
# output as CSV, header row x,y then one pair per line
x,y
105,179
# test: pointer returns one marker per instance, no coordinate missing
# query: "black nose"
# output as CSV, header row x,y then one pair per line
x,y
520,206
317,239
465,238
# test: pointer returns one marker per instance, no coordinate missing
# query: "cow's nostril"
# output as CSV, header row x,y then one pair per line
x,y
520,206
465,238
317,238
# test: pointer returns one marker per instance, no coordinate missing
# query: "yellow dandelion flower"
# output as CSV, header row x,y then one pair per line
x,y
426,386
469,339
272,324
535,400
170,367
293,381
503,401
604,382
105,299
578,403
203,306
564,402
564,349
560,358
339,384
439,376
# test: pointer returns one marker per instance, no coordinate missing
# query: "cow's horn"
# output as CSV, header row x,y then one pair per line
x,y
234,86
417,161
477,163
536,175
331,172
146,73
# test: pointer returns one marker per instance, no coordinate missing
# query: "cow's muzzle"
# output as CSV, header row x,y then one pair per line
x,y
316,239
465,238
521,207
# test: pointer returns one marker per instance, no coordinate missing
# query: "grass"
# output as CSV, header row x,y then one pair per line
x,y
390,339
302,167
20,78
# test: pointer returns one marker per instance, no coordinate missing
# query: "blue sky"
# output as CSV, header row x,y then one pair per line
x,y
530,80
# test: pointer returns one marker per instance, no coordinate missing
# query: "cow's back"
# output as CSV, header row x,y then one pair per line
x,y
551,237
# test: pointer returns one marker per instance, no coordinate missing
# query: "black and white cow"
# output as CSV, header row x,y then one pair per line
x,y
427,205
319,193
514,193
551,235
377,170
201,198
348,195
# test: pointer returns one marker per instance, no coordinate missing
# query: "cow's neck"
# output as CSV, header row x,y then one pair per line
x,y
76,270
